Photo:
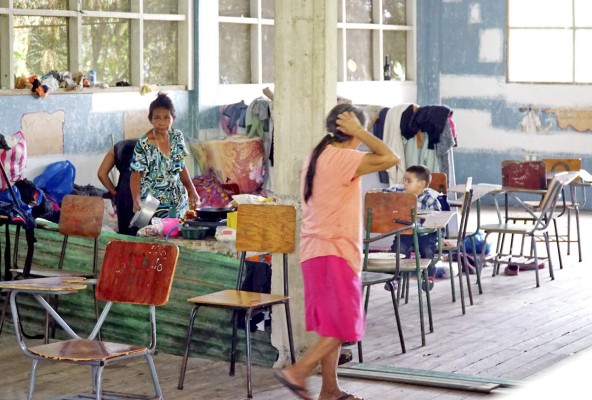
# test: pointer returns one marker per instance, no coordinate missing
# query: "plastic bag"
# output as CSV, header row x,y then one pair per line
x,y
479,239
57,179
14,159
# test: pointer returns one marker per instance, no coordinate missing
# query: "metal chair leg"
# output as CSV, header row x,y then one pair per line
x,y
428,302
548,246
248,345
192,316
290,335
360,352
99,382
536,260
577,211
32,379
397,318
421,320
234,340
451,277
460,283
558,243
154,376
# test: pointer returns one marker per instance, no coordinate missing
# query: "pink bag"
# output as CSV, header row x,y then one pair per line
x,y
14,159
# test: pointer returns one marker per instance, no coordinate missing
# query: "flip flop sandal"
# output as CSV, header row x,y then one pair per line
x,y
512,269
349,396
296,389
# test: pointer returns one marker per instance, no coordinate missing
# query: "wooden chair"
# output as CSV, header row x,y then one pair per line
x,y
540,225
439,182
260,228
81,217
132,273
458,245
391,211
552,166
375,230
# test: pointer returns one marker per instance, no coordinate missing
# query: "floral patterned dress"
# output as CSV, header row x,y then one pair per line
x,y
161,175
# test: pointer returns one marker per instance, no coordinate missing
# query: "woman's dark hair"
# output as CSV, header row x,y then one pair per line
x,y
162,101
334,136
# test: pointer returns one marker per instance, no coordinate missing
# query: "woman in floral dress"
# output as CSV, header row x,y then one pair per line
x,y
158,164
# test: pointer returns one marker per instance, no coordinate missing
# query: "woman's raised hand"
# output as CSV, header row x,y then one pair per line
x,y
349,124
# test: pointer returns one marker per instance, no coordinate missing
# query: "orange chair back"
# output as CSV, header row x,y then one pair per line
x,y
388,208
137,272
439,182
81,216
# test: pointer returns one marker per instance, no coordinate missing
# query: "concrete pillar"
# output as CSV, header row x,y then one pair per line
x,y
305,90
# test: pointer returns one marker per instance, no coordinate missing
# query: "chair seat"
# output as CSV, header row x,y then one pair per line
x,y
373,278
50,272
523,229
405,265
81,350
238,299
521,216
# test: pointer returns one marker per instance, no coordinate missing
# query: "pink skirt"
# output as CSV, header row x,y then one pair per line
x,y
333,298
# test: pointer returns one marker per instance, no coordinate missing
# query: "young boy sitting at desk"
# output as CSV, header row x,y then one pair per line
x,y
416,181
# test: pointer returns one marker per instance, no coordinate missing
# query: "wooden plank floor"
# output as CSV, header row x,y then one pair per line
x,y
513,331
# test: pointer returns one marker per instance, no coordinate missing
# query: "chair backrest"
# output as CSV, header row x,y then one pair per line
x,y
559,180
390,211
81,216
524,174
562,164
266,228
137,272
439,182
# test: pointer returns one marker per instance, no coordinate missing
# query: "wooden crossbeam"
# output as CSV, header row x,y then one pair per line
x,y
425,377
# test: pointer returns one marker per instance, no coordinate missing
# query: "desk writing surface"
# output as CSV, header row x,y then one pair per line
x,y
54,284
585,176
437,219
479,190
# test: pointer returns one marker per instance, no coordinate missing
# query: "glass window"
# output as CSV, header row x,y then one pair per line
x,y
40,45
106,49
160,50
394,12
368,23
267,9
395,46
41,4
247,43
359,55
107,5
234,8
538,28
235,53
358,11
268,54
161,6
39,32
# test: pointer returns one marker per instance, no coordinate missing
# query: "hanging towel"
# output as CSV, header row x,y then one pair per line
x,y
393,139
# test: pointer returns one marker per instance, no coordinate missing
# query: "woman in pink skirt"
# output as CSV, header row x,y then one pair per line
x,y
331,245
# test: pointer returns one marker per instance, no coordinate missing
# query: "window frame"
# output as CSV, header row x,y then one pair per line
x,y
573,28
184,18
378,28
256,27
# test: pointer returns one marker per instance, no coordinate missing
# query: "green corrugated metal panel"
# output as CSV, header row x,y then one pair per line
x,y
198,272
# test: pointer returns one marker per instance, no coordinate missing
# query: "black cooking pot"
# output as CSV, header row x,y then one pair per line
x,y
213,213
